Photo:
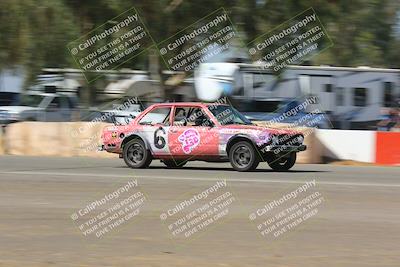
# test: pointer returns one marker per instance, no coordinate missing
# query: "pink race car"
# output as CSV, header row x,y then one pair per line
x,y
179,132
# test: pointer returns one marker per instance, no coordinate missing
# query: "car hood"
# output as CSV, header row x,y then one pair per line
x,y
17,109
121,112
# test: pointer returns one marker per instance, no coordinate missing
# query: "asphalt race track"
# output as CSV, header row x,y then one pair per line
x,y
357,225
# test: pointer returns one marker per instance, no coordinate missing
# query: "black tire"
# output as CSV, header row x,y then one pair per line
x,y
136,155
173,164
282,163
243,157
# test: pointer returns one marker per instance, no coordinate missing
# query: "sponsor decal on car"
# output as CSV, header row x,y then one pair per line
x,y
190,139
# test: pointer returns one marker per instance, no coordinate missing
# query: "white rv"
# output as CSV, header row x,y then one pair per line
x,y
357,95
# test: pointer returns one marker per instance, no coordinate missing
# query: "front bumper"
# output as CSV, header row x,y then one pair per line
x,y
284,149
111,148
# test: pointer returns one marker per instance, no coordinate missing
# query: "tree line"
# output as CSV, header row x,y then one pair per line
x,y
35,33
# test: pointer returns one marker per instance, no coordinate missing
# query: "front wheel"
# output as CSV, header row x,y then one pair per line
x,y
136,155
283,163
243,156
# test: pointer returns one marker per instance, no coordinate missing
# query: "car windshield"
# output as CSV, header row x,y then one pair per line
x,y
123,104
31,100
228,115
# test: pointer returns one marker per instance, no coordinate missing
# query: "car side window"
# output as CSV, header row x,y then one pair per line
x,y
180,116
157,116
55,103
64,102
191,116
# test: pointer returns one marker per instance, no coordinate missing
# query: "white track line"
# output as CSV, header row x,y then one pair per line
x,y
280,181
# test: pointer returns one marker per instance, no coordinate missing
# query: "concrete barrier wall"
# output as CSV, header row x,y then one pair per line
x,y
2,137
364,146
348,144
82,138
387,148
54,139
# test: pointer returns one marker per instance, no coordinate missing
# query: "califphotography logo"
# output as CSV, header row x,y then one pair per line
x,y
200,42
292,42
113,210
192,216
284,214
111,44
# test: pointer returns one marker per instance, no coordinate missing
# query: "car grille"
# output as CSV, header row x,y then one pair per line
x,y
285,139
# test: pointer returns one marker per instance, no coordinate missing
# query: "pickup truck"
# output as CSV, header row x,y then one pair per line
x,y
38,106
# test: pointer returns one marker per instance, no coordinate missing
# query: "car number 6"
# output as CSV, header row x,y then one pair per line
x,y
159,140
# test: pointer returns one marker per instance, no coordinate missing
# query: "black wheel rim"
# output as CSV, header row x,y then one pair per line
x,y
242,156
135,153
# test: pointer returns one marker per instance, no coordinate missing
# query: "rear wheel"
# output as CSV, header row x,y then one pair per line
x,y
173,164
282,163
243,156
136,155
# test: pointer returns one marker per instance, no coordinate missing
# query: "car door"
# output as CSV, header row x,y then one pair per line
x,y
66,109
192,133
53,110
155,126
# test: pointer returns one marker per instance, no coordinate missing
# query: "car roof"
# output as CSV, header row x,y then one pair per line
x,y
44,94
275,99
189,104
